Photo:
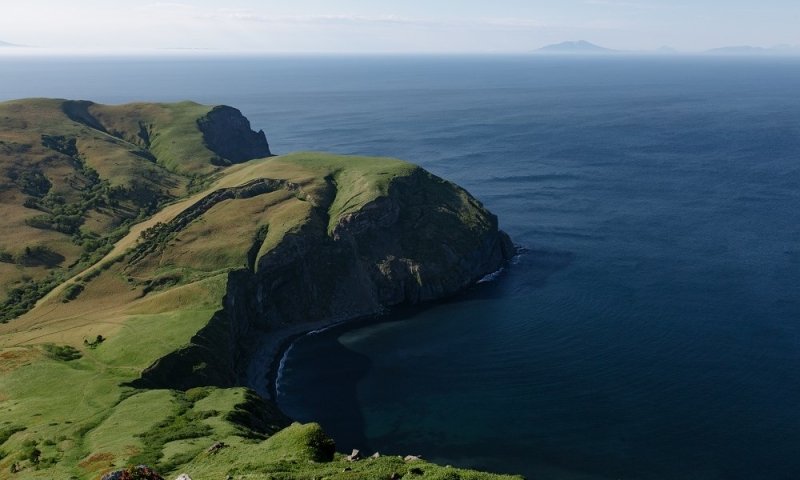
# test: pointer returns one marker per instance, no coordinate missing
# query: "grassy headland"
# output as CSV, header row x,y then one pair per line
x,y
148,250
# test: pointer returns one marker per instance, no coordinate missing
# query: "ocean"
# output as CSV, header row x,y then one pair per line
x,y
650,328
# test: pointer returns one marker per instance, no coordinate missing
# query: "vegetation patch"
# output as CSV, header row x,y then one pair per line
x,y
96,461
21,299
34,183
7,432
12,359
64,353
72,291
185,424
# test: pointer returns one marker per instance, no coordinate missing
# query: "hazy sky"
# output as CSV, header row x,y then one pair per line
x,y
362,26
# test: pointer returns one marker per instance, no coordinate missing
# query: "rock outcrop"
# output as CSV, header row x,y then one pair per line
x,y
227,133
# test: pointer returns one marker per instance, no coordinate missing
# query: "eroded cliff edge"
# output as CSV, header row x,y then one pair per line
x,y
422,239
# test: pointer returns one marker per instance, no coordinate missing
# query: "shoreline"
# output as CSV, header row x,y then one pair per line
x,y
263,367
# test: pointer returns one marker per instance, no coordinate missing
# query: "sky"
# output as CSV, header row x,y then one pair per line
x,y
407,26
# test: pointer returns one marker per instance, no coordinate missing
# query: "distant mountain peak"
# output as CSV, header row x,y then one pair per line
x,y
666,49
579,46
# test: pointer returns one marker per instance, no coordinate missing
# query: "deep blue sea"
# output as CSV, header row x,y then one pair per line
x,y
652,328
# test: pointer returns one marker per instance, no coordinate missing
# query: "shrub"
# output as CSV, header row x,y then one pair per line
x,y
30,452
61,352
6,433
72,291
34,183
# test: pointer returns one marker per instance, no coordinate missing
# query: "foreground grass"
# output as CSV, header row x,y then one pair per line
x,y
304,452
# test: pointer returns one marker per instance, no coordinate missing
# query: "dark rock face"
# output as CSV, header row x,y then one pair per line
x,y
426,239
227,133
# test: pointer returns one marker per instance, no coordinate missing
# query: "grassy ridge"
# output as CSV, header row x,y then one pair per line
x,y
74,176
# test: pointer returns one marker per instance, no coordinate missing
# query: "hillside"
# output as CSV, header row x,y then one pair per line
x,y
74,176
178,251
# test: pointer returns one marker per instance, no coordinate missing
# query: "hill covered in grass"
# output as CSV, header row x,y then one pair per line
x,y
74,176
154,256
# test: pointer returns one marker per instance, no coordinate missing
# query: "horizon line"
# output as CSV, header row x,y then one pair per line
x,y
730,51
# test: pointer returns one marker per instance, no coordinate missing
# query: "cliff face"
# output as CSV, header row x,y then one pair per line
x,y
227,133
425,239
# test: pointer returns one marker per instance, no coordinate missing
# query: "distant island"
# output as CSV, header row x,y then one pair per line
x,y
155,260
7,44
580,46
751,50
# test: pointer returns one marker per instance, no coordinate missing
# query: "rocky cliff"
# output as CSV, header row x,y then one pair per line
x,y
227,133
424,239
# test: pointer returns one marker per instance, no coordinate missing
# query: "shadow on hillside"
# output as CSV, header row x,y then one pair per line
x,y
49,259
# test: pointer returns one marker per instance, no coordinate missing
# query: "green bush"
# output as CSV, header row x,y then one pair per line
x,y
34,183
196,394
30,452
72,291
21,299
7,432
61,144
61,352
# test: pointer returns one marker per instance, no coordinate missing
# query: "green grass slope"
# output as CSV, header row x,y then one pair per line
x,y
74,176
186,220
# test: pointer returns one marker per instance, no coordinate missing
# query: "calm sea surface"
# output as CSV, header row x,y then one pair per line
x,y
651,330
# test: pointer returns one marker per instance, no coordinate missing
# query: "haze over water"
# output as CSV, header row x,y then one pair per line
x,y
651,329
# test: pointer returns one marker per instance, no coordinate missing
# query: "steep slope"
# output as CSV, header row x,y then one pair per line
x,y
75,175
142,357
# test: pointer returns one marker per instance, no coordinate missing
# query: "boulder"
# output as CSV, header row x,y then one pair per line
x,y
354,457
143,471
215,447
